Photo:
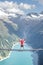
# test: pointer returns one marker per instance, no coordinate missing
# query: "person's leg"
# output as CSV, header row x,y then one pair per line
x,y
23,46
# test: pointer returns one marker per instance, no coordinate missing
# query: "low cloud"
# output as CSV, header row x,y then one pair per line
x,y
26,6
12,8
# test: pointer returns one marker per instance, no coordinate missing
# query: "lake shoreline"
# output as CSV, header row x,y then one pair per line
x,y
9,53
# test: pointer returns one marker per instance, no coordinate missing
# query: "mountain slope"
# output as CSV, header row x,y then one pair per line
x,y
6,39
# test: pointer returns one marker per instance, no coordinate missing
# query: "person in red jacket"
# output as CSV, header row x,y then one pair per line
x,y
22,42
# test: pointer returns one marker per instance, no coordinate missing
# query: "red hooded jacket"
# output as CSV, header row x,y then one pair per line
x,y
22,41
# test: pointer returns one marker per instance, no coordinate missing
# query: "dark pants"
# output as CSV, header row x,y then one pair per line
x,y
21,45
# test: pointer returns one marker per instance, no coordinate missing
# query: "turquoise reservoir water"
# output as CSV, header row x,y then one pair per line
x,y
20,58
